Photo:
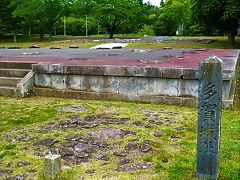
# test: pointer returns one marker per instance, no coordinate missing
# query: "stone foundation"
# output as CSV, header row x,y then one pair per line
x,y
142,84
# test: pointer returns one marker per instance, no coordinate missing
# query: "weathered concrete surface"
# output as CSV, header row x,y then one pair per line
x,y
171,74
9,81
7,91
174,58
128,86
119,85
15,65
11,74
26,85
86,95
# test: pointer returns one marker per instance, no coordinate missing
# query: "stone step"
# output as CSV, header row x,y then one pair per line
x,y
7,91
9,81
15,65
75,94
88,95
13,72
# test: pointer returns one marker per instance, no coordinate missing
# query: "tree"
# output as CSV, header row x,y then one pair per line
x,y
115,14
4,14
222,14
45,13
172,14
8,23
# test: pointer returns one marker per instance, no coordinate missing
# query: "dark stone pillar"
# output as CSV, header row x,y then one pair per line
x,y
209,120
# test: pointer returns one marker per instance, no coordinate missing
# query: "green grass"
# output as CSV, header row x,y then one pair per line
x,y
221,43
171,158
25,41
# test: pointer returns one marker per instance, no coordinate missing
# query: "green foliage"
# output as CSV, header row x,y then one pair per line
x,y
8,150
116,15
218,14
159,166
198,17
77,26
10,146
148,158
44,14
147,30
194,30
8,23
174,13
165,25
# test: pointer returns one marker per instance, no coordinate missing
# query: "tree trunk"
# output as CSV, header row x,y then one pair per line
x,y
232,32
231,39
50,35
15,37
41,36
110,35
29,29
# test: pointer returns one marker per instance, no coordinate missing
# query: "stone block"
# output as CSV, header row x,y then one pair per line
x,y
94,70
173,100
109,84
190,74
172,73
74,82
43,80
115,71
57,69
136,71
128,85
75,70
26,85
59,81
40,68
154,72
189,101
147,86
52,166
226,89
188,87
85,82
229,75
168,87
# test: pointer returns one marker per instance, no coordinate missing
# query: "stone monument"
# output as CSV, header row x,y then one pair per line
x,y
209,121
52,166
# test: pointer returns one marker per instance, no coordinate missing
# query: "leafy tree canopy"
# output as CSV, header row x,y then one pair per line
x,y
223,14
45,12
115,14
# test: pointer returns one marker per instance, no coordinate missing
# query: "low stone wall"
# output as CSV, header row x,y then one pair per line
x,y
26,85
130,83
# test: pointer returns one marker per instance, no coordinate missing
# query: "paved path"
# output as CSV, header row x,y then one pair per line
x,y
174,58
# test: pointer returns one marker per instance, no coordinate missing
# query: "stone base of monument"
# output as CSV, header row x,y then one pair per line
x,y
169,76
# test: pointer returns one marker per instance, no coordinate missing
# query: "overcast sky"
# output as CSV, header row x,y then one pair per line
x,y
153,2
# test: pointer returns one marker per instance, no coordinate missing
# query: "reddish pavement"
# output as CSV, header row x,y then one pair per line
x,y
188,59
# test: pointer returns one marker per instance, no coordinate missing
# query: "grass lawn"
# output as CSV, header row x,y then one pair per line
x,y
109,140
154,141
82,42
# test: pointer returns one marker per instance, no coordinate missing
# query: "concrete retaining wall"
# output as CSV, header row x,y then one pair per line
x,y
175,86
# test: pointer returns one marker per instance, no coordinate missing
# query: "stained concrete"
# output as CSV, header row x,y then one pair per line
x,y
26,85
127,74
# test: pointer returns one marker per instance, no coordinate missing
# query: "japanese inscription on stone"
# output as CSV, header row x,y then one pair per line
x,y
210,104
